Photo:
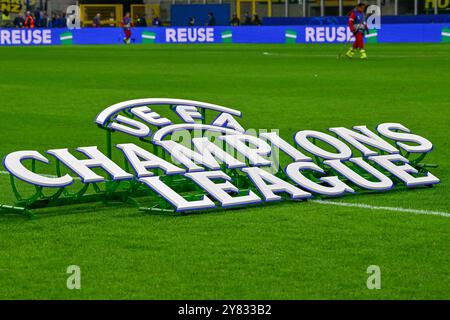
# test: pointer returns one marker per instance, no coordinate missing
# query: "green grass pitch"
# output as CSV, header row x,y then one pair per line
x,y
50,96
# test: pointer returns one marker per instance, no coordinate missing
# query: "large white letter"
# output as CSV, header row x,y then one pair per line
x,y
207,148
189,158
276,185
174,198
13,164
146,114
368,137
137,128
188,113
254,155
337,186
226,120
220,191
403,172
384,182
171,35
95,159
387,130
284,146
134,154
301,137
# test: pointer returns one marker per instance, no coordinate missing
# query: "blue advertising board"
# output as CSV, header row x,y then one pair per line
x,y
418,33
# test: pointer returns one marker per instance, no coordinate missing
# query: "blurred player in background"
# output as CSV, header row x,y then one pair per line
x,y
357,24
96,22
126,24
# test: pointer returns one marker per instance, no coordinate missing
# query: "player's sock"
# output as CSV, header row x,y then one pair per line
x,y
350,53
363,54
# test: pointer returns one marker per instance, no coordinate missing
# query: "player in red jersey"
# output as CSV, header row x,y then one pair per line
x,y
126,23
357,24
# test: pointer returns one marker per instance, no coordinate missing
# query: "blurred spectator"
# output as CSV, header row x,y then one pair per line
x,y
54,21
37,16
41,19
19,21
29,21
63,23
211,20
96,21
142,21
235,20
45,20
112,20
247,19
51,21
60,21
256,21
191,22
156,22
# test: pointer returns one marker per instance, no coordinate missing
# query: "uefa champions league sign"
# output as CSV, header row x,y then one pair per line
x,y
219,163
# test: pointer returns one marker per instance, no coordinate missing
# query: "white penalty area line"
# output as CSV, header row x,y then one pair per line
x,y
344,204
366,206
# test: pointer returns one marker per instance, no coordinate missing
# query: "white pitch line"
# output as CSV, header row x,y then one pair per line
x,y
347,204
366,206
311,55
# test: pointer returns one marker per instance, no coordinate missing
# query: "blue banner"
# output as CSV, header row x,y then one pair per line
x,y
419,33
